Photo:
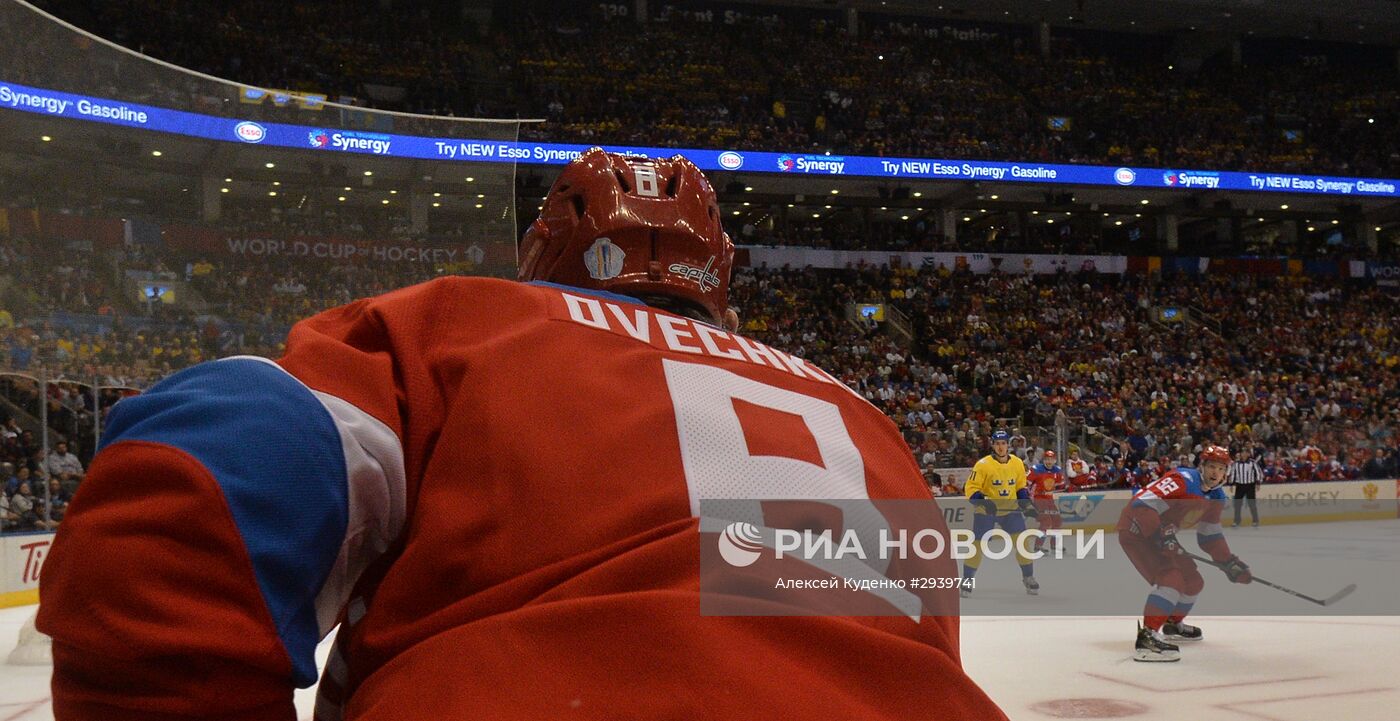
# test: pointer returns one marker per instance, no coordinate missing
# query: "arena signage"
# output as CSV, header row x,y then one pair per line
x,y
239,130
21,559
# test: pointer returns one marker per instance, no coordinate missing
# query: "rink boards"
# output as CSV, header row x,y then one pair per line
x,y
1281,503
21,558
22,555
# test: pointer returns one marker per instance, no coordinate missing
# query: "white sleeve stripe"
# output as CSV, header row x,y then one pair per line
x,y
377,497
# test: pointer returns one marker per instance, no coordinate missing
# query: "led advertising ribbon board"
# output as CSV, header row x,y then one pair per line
x,y
234,130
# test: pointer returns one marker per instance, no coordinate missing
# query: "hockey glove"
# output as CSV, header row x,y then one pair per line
x,y
1028,507
1236,570
1166,539
982,504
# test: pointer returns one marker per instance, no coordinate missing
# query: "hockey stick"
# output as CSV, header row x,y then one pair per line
x,y
1319,601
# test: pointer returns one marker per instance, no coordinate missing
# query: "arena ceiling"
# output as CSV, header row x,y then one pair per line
x,y
1360,21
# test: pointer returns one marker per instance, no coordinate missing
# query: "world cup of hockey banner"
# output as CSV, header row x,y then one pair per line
x,y
1384,273
474,257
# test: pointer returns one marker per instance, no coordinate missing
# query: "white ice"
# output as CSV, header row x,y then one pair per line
x,y
1333,668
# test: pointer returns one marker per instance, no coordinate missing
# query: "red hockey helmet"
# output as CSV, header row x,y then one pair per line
x,y
1217,454
639,226
1049,456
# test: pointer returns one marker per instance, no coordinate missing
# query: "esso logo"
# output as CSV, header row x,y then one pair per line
x,y
250,132
1124,176
730,160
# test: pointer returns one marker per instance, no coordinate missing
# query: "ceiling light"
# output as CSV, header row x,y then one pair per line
x,y
967,218
994,197
393,192
1049,221
369,173
478,205
736,212
437,205
341,199
1283,207
904,217
277,182
272,193
1117,222
471,180
46,138
156,153
384,201
223,190
816,215
834,191
1145,201
918,194
269,165
437,195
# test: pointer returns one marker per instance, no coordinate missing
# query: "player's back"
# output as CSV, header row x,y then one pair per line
x,y
561,443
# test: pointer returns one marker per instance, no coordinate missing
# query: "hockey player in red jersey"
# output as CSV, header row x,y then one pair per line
x,y
1043,480
492,486
1147,532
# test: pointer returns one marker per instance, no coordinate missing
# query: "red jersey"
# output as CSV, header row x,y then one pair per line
x,y
1177,499
1043,482
494,486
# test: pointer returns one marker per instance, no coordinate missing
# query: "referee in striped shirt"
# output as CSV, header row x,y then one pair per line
x,y
1245,475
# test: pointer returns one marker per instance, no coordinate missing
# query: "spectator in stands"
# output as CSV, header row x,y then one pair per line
x,y
9,520
1077,470
1380,466
63,466
29,509
58,499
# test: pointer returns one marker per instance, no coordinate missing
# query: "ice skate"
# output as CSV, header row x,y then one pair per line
x,y
1152,647
1177,632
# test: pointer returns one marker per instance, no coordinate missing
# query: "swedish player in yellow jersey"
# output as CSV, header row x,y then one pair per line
x,y
997,489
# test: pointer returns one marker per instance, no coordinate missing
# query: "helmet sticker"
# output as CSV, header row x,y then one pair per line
x,y
703,277
646,181
603,259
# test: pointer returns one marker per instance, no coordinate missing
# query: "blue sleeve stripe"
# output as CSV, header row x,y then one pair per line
x,y
277,455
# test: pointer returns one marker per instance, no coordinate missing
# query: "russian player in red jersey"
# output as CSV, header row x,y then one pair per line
x,y
1147,532
1044,479
493,488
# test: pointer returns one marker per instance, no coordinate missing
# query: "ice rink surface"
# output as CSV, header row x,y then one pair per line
x,y
1296,668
